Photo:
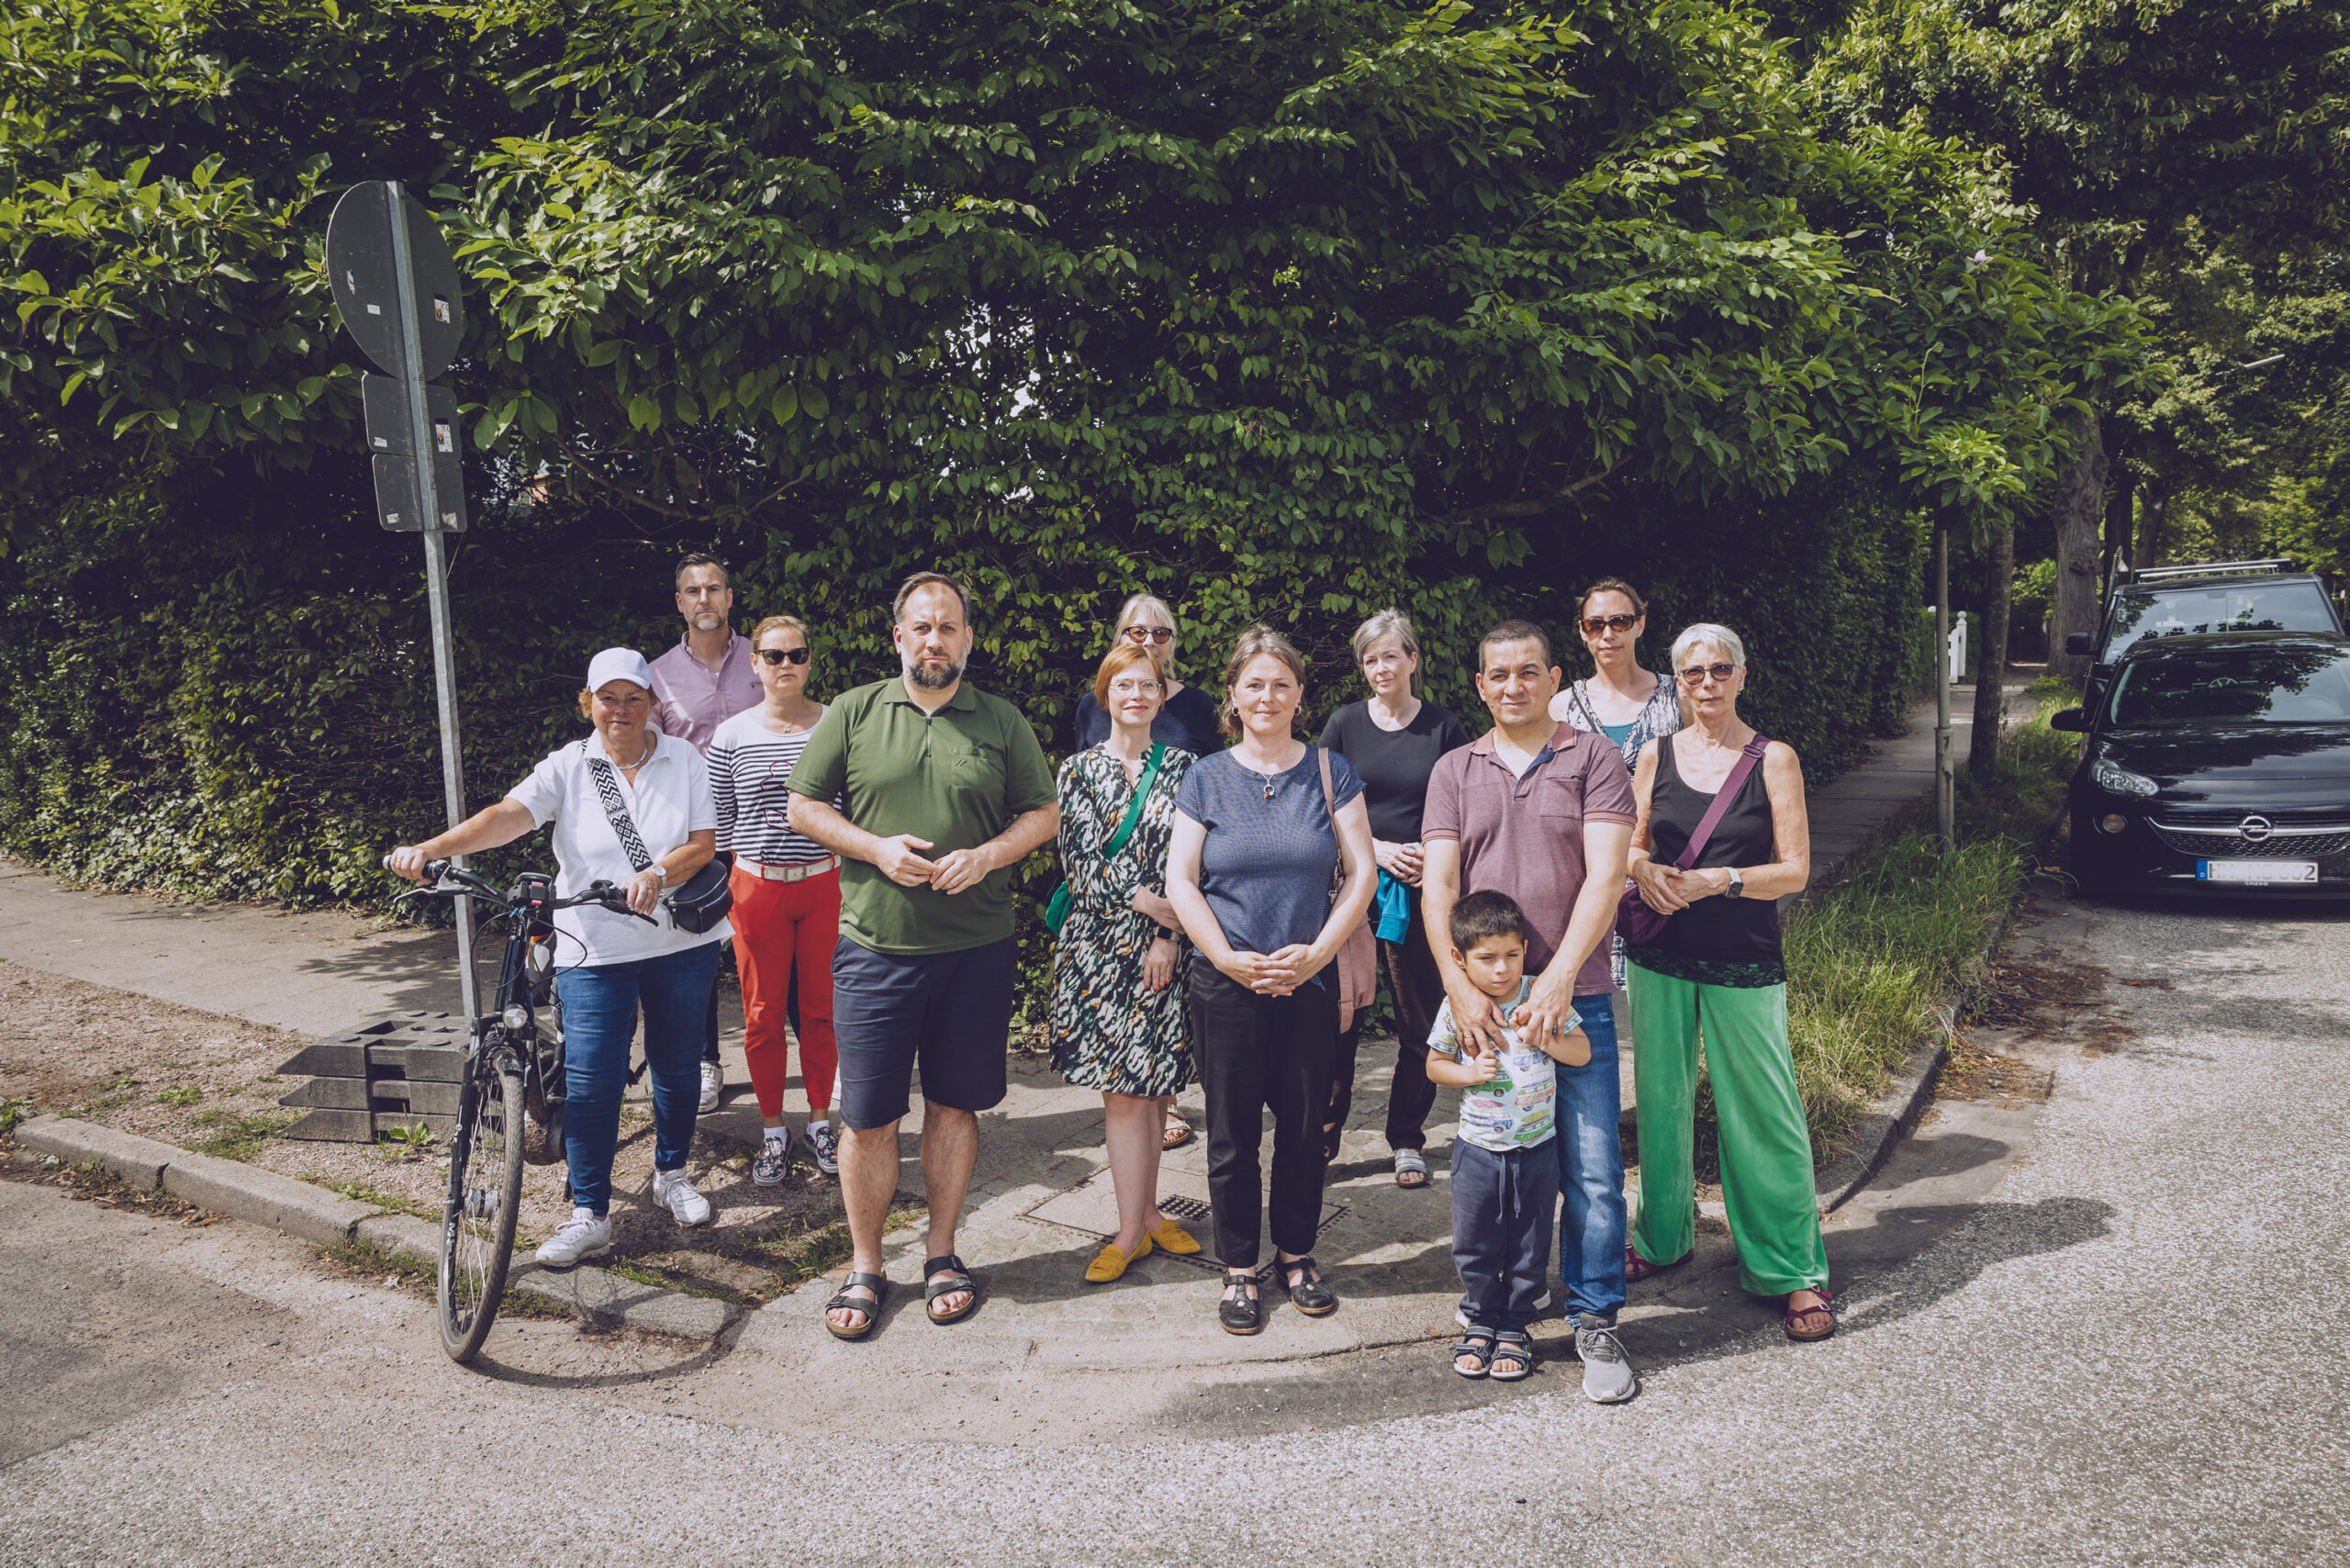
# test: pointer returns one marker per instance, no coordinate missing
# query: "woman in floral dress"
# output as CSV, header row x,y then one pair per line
x,y
1118,1023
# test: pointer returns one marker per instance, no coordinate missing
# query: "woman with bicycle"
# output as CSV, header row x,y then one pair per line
x,y
1117,1020
623,794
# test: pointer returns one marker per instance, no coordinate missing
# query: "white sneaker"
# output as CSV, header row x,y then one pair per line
x,y
671,1187
713,1082
585,1235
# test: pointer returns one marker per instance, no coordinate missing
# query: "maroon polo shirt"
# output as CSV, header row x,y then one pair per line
x,y
1524,836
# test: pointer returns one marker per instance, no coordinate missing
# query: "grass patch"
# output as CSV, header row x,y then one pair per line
x,y
97,1184
14,1109
359,1192
398,1270
237,1136
188,1096
1902,930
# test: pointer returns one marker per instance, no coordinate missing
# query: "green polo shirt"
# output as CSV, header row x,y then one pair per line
x,y
957,778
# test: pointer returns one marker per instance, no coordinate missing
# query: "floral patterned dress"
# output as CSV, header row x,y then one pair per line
x,y
1109,1032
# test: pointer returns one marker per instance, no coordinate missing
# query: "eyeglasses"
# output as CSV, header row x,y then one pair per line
x,y
1594,625
1133,687
1162,635
784,656
1698,674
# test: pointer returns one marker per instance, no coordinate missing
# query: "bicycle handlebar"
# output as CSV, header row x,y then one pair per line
x,y
439,872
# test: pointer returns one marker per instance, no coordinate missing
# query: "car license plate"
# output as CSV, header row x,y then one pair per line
x,y
2256,871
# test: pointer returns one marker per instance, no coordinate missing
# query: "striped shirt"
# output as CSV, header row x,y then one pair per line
x,y
749,765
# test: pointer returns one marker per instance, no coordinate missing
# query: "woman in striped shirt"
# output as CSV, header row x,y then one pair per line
x,y
787,896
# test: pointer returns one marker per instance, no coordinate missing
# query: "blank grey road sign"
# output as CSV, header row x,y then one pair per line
x,y
398,505
359,262
386,402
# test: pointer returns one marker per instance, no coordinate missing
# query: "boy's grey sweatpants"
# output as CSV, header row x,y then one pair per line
x,y
1504,1206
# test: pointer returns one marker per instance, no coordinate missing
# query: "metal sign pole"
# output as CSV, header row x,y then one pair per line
x,y
1944,773
436,572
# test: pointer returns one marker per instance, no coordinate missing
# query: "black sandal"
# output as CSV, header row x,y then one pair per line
x,y
872,1309
1477,1345
1310,1296
957,1279
1239,1312
1513,1358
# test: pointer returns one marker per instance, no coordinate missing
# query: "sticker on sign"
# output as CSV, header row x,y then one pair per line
x,y
2256,871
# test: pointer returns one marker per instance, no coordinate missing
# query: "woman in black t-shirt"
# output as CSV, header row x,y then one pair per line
x,y
1392,742
1188,720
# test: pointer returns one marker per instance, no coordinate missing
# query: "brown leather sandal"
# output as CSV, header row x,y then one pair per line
x,y
1636,1267
1175,1132
1823,1307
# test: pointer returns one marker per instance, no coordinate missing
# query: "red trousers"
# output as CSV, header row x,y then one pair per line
x,y
783,930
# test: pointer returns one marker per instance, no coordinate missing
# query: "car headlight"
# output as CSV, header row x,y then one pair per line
x,y
2112,777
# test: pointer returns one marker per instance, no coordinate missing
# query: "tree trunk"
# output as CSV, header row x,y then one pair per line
x,y
2119,514
2077,507
2150,524
1990,692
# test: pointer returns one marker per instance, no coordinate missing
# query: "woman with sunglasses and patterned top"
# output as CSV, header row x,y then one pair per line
x,y
1187,720
1719,958
787,897
1629,705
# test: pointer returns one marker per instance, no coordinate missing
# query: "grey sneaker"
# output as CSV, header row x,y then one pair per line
x,y
774,1162
825,1145
713,1085
585,1235
1607,1376
687,1206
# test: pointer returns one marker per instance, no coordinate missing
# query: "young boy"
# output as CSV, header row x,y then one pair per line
x,y
1505,1174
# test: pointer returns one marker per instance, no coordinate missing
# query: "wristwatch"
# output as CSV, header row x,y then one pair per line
x,y
1737,888
662,871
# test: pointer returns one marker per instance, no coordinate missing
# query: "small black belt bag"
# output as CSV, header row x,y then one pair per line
x,y
705,898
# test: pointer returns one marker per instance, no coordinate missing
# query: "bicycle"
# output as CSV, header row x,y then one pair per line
x,y
511,1064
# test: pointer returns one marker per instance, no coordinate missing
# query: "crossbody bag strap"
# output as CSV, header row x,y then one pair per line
x,y
1748,757
1575,692
607,790
1134,807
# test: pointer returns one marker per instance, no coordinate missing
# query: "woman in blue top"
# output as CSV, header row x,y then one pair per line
x,y
1260,832
1629,705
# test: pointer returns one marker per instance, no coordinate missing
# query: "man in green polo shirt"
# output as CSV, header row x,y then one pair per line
x,y
945,789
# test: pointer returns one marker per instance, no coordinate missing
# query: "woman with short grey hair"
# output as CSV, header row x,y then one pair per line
x,y
1392,740
1738,797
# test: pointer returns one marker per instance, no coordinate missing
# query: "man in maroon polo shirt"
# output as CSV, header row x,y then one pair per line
x,y
1543,812
699,685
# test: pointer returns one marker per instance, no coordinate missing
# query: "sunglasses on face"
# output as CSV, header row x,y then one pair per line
x,y
1159,635
1698,674
1594,625
784,656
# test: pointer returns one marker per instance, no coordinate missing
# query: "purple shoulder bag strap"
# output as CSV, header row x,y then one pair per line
x,y
1634,919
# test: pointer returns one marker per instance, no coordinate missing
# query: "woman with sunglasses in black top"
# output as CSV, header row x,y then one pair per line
x,y
787,897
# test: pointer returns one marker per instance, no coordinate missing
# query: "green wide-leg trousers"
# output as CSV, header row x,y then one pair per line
x,y
1765,1148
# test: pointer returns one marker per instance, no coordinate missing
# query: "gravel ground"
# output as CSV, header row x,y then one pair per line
x,y
2130,1354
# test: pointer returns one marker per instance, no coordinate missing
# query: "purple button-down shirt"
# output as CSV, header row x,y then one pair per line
x,y
690,700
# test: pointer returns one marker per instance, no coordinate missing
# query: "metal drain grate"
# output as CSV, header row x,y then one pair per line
x,y
1178,1207
1091,1208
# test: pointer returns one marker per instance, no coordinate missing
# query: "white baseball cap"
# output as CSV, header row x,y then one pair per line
x,y
619,664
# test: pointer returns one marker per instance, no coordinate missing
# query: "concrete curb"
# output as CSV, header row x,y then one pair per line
x,y
1894,1113
299,1209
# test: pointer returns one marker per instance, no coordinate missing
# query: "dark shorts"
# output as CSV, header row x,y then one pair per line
x,y
951,1012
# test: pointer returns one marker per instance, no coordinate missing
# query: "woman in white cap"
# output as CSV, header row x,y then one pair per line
x,y
626,771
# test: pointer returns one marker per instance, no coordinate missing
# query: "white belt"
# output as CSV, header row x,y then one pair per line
x,y
795,873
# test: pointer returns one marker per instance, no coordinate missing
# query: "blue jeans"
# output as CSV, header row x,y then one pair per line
x,y
598,1018
1590,1170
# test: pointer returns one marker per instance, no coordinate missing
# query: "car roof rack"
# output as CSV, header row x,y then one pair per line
x,y
2209,569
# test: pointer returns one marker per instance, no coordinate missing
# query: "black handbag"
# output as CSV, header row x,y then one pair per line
x,y
706,896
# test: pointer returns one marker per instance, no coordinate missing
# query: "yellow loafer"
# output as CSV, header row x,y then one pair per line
x,y
1173,1238
1112,1260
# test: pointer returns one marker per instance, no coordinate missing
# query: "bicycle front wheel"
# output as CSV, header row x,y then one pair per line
x,y
485,1195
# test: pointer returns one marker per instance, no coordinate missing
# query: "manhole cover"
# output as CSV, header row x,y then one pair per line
x,y
1091,1208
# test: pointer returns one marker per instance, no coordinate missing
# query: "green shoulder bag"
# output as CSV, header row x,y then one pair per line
x,y
1056,911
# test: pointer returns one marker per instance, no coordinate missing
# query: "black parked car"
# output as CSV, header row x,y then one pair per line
x,y
2218,764
2203,601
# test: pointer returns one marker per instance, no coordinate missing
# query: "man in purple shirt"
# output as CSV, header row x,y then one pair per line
x,y
699,685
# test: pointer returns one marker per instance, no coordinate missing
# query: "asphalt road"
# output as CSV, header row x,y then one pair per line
x,y
2124,1345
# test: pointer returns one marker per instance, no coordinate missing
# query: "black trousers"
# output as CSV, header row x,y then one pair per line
x,y
1418,988
1503,1203
1257,1052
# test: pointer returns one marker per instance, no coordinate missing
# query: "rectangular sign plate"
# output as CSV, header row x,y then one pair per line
x,y
2302,872
385,402
397,506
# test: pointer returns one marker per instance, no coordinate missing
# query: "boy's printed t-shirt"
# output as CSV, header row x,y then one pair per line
x,y
1515,1109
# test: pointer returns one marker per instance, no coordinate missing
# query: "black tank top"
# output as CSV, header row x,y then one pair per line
x,y
1718,930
